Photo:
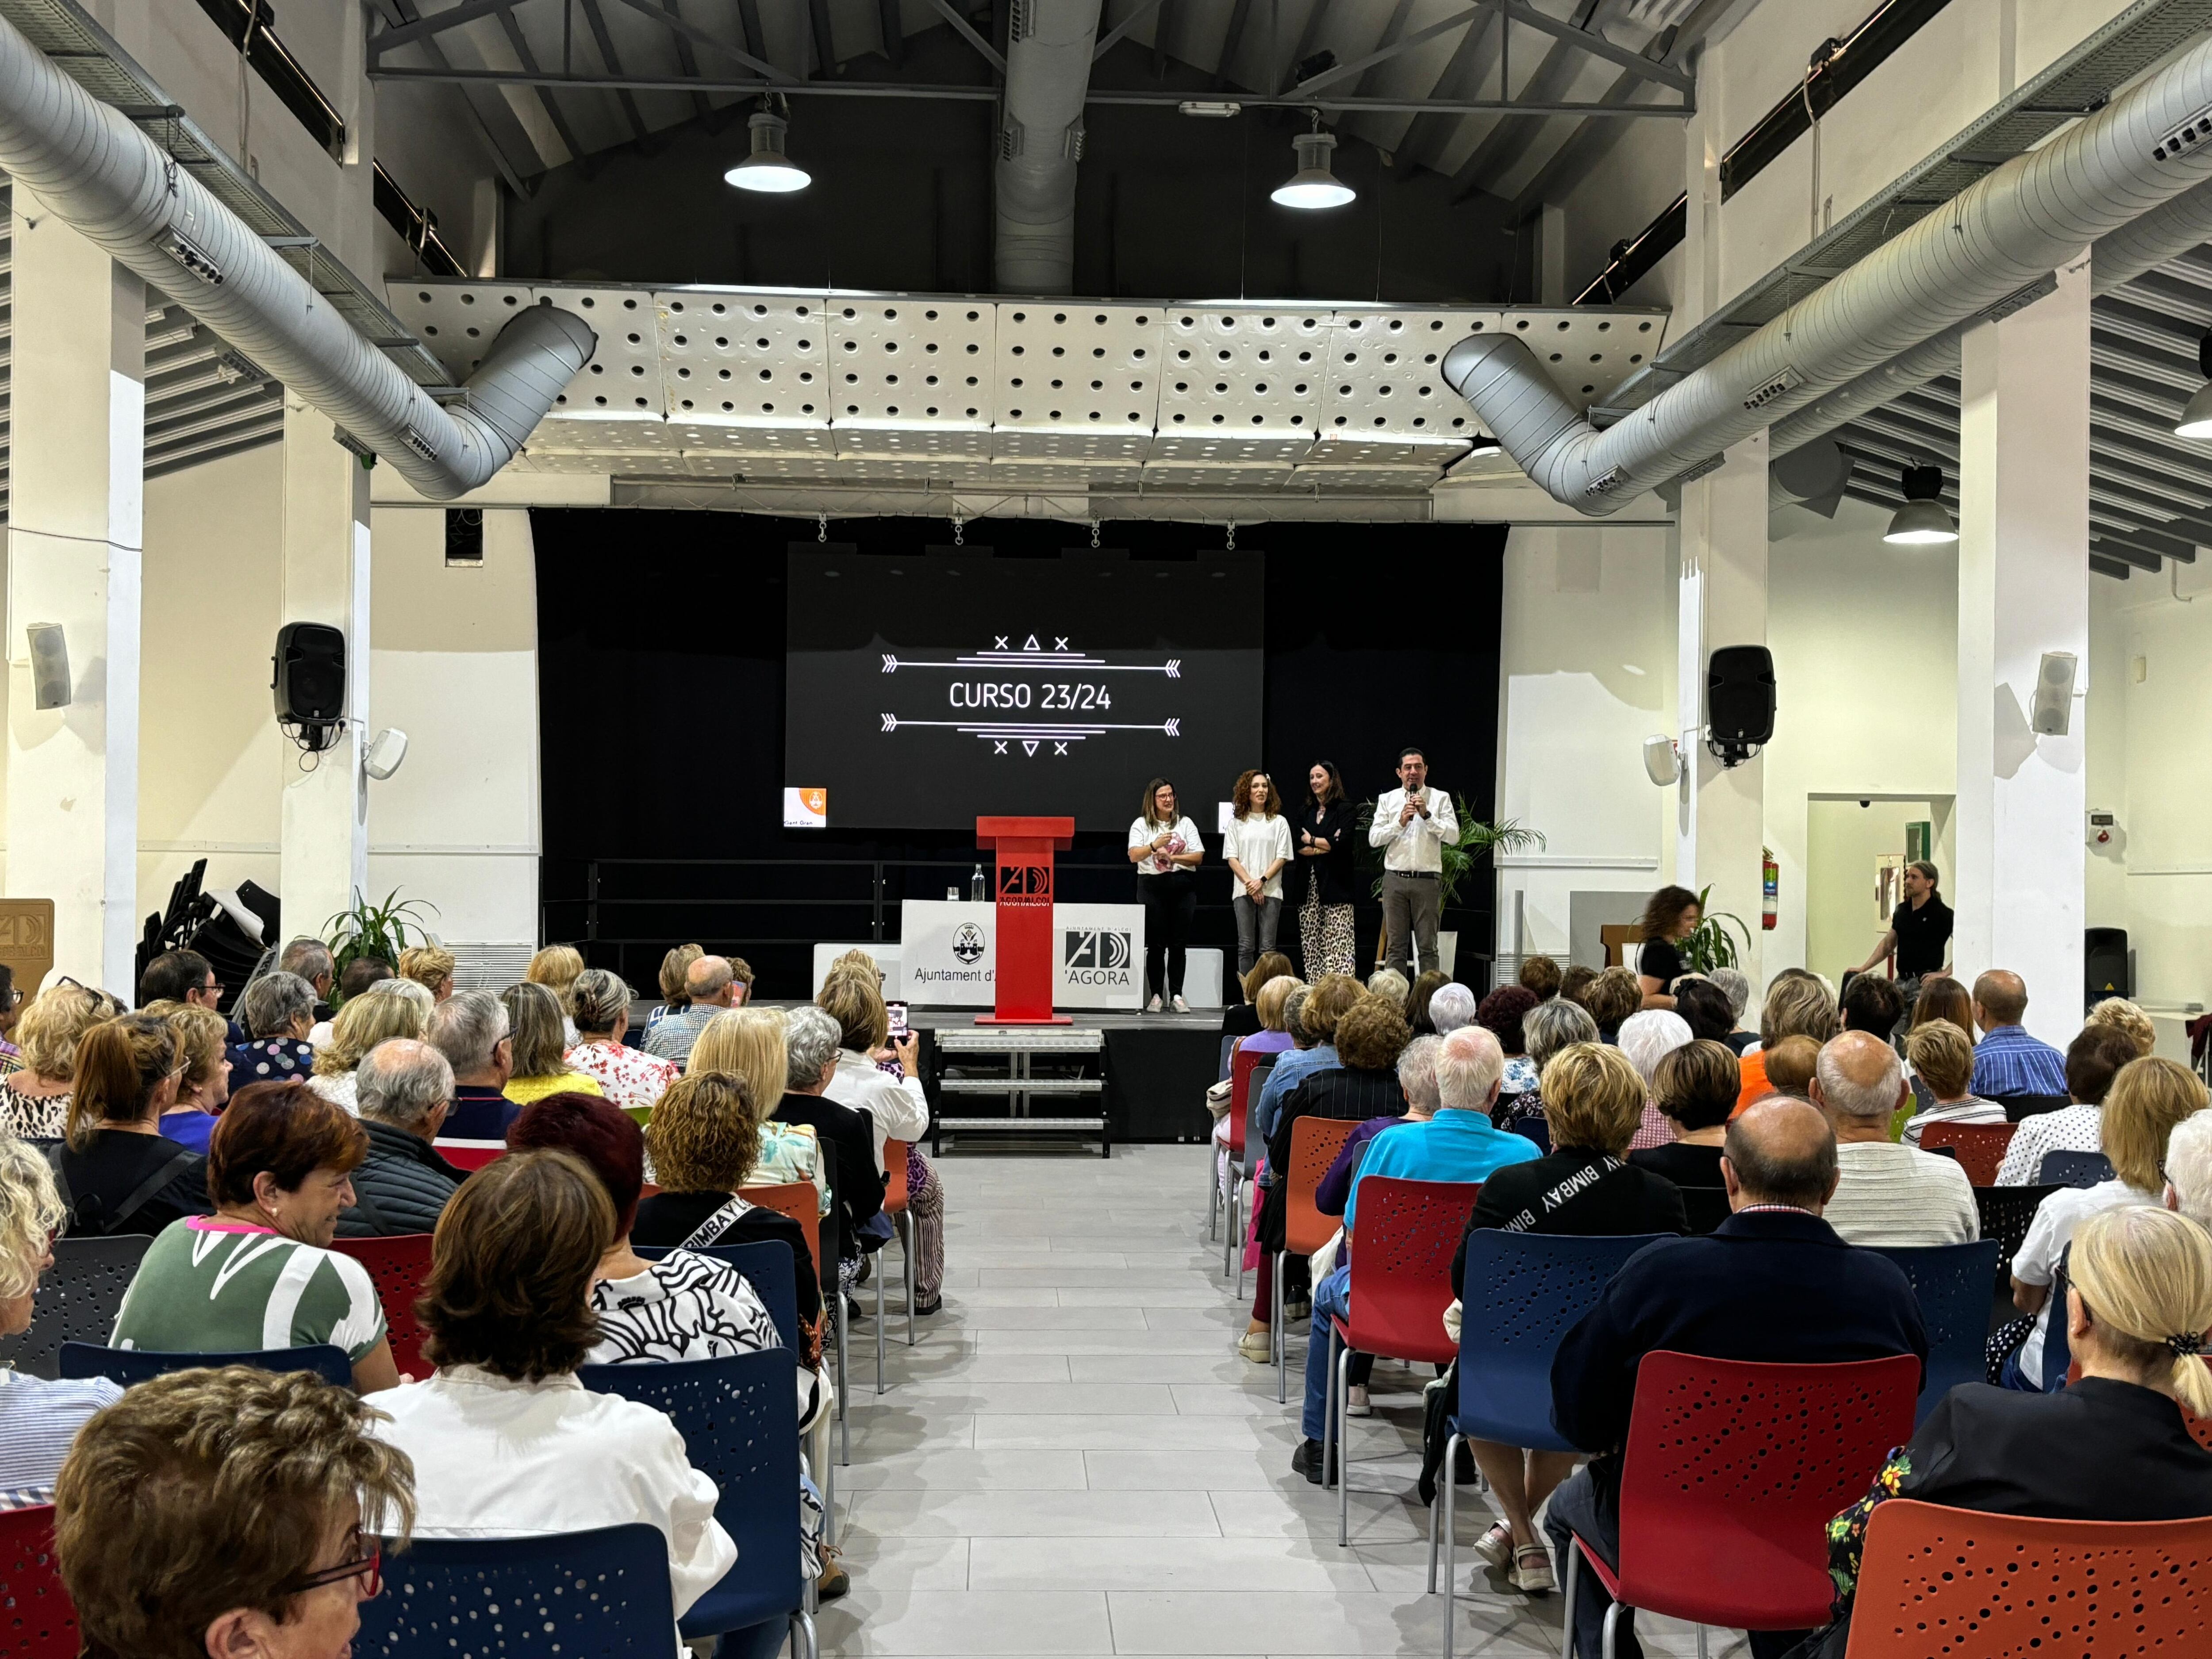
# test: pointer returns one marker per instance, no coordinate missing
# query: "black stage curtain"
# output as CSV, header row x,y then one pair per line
x,y
661,685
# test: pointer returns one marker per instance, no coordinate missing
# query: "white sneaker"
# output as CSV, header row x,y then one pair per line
x,y
1153,1006
1355,1402
1181,1007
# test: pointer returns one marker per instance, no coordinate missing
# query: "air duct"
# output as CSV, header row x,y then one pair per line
x,y
1048,47
2009,230
97,172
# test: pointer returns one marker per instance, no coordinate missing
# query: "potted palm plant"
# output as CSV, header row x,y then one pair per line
x,y
373,930
1709,945
1477,841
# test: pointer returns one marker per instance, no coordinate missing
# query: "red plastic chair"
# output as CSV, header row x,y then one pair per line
x,y
1936,1581
1399,1286
1980,1146
1315,1143
470,1154
37,1620
1732,1473
400,1265
895,1207
1241,1064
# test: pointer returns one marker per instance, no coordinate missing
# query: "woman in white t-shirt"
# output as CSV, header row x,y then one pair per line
x,y
1256,849
1164,847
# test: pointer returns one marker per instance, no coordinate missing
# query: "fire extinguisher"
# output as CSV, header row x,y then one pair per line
x,y
1770,881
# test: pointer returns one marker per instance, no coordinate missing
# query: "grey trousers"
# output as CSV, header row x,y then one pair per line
x,y
1256,926
1412,906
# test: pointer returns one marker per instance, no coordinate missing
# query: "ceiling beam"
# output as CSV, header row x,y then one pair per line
x,y
966,31
596,21
1404,43
1115,35
1239,16
1597,45
892,32
553,113
825,48
685,30
424,28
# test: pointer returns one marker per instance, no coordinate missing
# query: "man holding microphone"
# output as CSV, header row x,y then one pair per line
x,y
1411,824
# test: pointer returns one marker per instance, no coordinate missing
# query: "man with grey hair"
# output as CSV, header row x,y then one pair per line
x,y
404,1088
2189,1168
1736,986
810,1042
1886,1195
310,958
470,1029
711,984
1451,1007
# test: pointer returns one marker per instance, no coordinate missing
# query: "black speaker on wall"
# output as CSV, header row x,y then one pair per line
x,y
1739,702
2105,963
309,678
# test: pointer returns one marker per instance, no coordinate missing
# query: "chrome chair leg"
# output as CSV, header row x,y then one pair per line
x,y
1701,1642
1451,1538
802,1636
844,1385
1236,1195
1280,1341
882,1268
907,1231
1240,1243
1611,1622
1329,1414
1344,1450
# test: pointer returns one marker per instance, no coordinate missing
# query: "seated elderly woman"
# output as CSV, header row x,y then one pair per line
x,y
674,997
116,1173
1451,1007
1419,995
1695,1086
37,1417
556,968
1704,1005
900,1110
538,1024
431,967
205,1085
1503,1013
748,1044
684,1306
34,1099
810,1046
391,1008
1242,1020
277,1011
1272,1036
1645,1039
233,1512
260,1273
1611,997
504,1440
2112,1447
629,1077
1550,1028
1593,1099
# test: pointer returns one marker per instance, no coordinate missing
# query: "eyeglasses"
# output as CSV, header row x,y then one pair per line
x,y
369,1566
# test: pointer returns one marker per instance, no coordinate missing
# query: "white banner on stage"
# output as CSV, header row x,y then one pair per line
x,y
948,953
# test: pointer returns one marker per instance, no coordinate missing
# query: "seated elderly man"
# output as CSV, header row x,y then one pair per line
x,y
1773,1283
2189,1168
404,1090
710,984
1887,1195
470,1029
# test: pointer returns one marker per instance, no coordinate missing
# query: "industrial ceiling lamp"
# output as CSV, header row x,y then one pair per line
x,y
1922,520
1313,185
2196,421
767,169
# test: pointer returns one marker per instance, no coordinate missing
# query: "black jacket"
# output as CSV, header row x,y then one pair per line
x,y
1773,1285
99,1183
1576,1192
402,1188
1336,870
859,1188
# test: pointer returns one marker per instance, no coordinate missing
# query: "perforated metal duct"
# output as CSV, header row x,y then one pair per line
x,y
1048,47
1993,240
99,173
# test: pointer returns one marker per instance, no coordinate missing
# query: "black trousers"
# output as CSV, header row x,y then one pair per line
x,y
1169,902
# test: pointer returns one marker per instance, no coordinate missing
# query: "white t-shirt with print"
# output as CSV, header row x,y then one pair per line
x,y
1143,832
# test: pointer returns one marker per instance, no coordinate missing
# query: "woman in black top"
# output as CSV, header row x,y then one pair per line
x,y
2112,1447
1244,1020
1369,1038
1593,1101
810,1042
1695,1087
115,1172
1670,915
1325,852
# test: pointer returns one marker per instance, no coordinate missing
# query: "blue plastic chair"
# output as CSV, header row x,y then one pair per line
x,y
128,1365
2074,1169
769,1268
603,1592
1530,1291
1228,1048
739,1430
1953,1284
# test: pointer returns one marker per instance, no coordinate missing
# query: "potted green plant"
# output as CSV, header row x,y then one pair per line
x,y
373,930
1708,945
1477,841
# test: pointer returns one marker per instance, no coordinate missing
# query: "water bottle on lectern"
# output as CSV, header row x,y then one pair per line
x,y
977,890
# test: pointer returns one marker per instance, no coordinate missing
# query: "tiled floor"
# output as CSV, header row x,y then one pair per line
x,y
1075,1461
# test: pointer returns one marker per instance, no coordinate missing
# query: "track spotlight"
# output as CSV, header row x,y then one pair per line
x,y
1922,520
767,169
2196,421
1313,185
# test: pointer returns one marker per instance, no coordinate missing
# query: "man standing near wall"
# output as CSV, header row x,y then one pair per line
x,y
1411,824
1919,929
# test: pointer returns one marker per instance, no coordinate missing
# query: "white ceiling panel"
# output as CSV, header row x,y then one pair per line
x,y
458,321
623,376
1077,380
1255,373
745,360
896,362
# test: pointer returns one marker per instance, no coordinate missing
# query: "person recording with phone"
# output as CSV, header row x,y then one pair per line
x,y
1411,824
1164,847
1325,856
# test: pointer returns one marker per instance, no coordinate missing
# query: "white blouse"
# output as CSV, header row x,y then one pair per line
x,y
1143,832
1255,842
499,1459
896,1106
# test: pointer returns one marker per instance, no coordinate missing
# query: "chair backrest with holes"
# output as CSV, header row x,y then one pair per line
x,y
36,1619
2018,1109
1401,1261
78,1299
894,1176
1980,1147
1532,1288
400,1265
1953,1284
767,1265
129,1365
2074,1169
800,1202
2006,1213
1733,1472
604,1593
1315,1143
1937,1580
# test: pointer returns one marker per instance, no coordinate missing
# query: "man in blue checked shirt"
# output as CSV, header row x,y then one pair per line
x,y
2007,1060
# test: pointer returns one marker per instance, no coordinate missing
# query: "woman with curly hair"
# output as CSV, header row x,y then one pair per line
x,y
34,1099
1670,915
365,1021
1257,850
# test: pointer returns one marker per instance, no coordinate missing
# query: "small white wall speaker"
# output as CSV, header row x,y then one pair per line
x,y
385,750
1660,763
2053,714
50,675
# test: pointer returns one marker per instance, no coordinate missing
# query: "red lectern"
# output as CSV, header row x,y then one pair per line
x,y
1024,847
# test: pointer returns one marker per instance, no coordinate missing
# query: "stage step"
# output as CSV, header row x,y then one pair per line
x,y
1019,1040
1023,1126
1026,1085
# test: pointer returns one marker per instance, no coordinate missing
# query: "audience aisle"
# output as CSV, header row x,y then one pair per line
x,y
1076,1461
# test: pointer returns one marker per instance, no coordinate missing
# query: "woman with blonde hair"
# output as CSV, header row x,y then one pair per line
x,y
899,1111
536,1025
2127,1017
630,1076
34,1100
375,1015
431,967
748,1043
202,1045
555,968
115,1172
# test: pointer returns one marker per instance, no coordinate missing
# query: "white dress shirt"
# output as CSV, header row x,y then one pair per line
x,y
1256,842
895,1106
499,1459
1414,847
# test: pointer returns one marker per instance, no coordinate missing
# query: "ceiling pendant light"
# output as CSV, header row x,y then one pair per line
x,y
2196,421
1922,520
1313,185
767,169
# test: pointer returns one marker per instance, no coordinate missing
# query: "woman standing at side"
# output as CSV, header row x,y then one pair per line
x,y
1257,851
1325,855
1164,847
1670,916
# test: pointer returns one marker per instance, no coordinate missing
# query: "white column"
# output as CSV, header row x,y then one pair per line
x,y
324,838
2023,590
1721,819
76,490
